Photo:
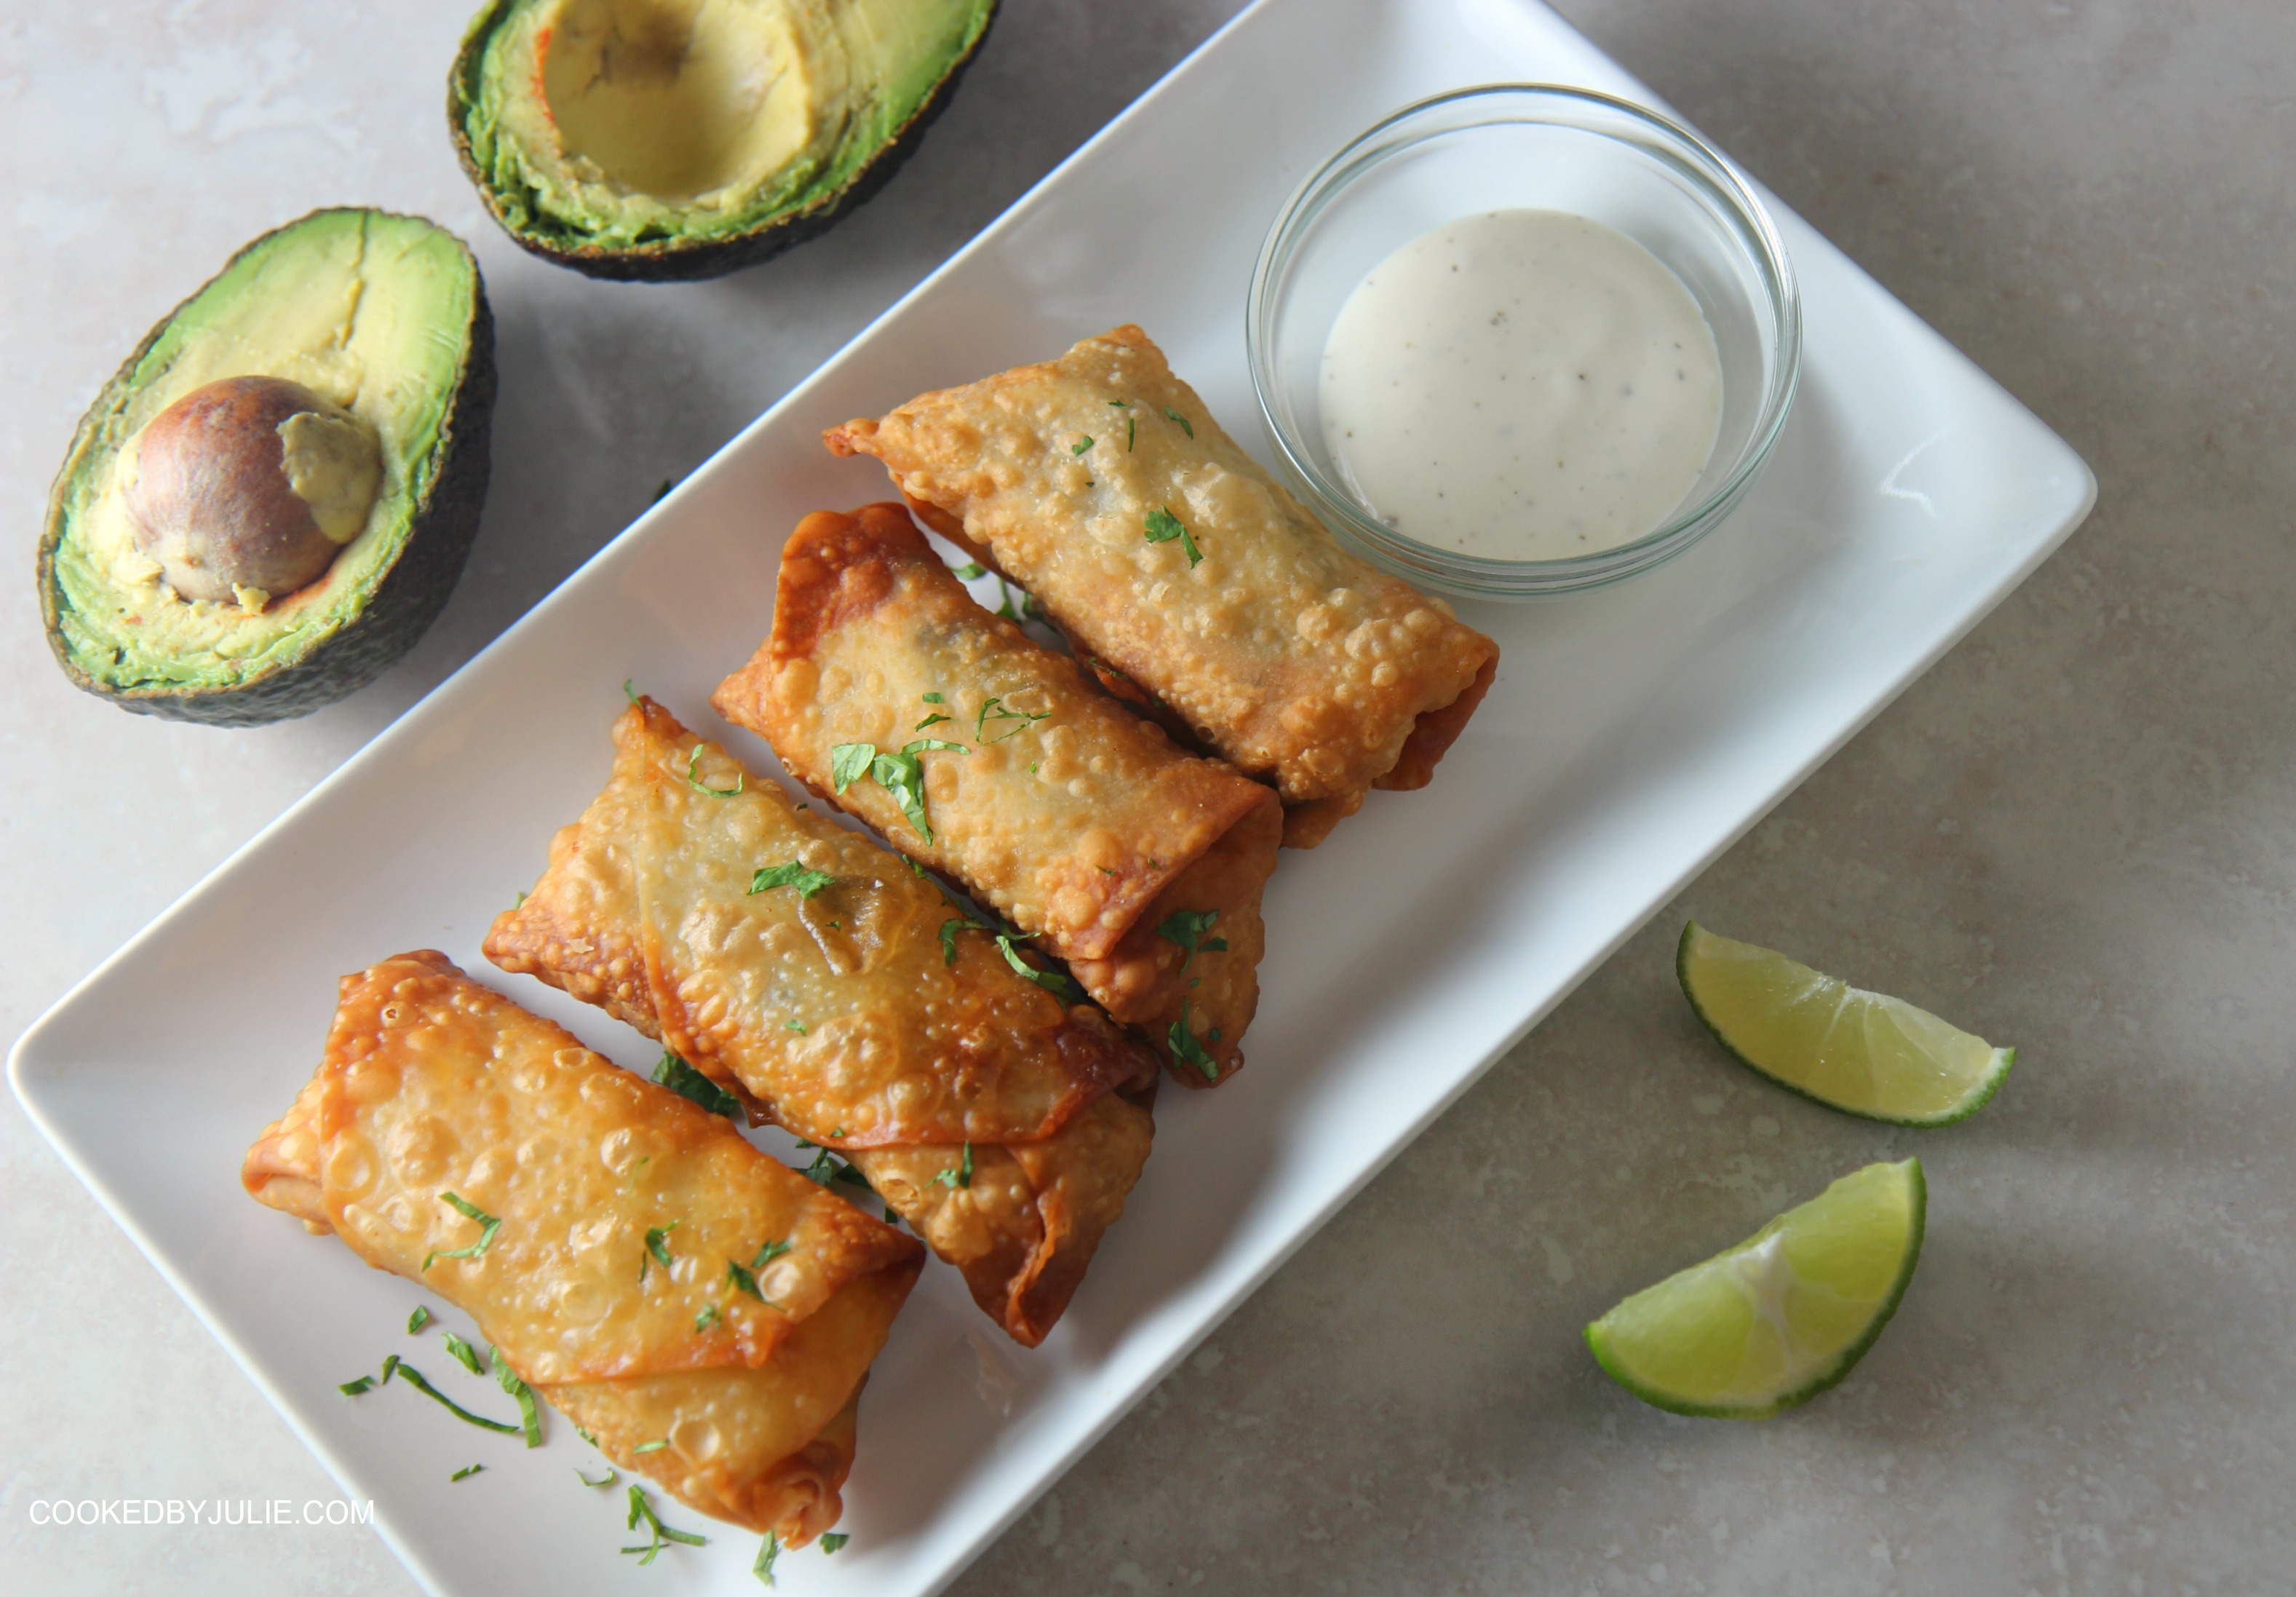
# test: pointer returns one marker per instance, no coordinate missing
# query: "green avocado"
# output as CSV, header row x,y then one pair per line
x,y
660,139
361,342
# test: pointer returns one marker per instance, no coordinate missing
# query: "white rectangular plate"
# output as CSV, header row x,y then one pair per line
x,y
1632,736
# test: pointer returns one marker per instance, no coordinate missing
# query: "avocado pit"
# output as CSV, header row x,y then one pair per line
x,y
247,488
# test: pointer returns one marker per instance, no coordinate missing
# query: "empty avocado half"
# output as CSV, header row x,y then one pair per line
x,y
272,499
659,139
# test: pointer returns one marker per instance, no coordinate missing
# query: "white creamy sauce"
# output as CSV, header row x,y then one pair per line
x,y
1521,385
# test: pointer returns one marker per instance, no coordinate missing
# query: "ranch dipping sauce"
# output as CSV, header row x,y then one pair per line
x,y
1521,385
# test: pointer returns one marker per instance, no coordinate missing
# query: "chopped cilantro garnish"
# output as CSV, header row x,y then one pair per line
x,y
688,1082
629,692
607,1479
352,1388
1009,722
792,875
933,698
1186,928
902,775
529,1415
745,1277
465,1472
915,869
657,1247
971,570
948,931
1051,981
1016,604
1083,442
934,720
1187,1049
656,1446
962,1176
768,1551
849,763
395,1366
1131,433
796,1026
707,1318
640,1509
1173,414
420,1318
693,777
1162,527
1107,870
465,1355
834,1540
476,1250
1119,404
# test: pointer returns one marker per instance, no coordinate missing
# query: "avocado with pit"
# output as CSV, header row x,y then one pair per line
x,y
663,139
272,499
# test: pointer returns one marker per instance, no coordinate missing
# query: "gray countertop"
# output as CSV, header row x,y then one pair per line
x,y
2075,835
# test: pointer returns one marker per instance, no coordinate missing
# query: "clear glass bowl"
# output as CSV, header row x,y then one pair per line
x,y
1525,146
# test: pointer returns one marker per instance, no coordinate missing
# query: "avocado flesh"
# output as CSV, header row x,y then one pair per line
x,y
380,314
675,137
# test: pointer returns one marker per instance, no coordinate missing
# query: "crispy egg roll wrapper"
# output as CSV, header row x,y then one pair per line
x,y
432,1083
1080,821
646,910
1290,657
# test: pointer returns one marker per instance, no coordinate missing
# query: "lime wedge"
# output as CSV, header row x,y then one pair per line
x,y
1866,1052
1778,1319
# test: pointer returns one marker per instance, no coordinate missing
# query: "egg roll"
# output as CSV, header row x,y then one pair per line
x,y
1102,484
450,1137
1138,864
774,950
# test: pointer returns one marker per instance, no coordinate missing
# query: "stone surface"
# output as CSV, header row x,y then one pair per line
x,y
2076,835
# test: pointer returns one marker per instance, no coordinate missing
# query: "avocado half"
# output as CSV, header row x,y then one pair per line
x,y
383,315
665,139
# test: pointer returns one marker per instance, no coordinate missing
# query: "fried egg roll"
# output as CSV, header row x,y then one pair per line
x,y
439,1097
1140,865
1101,483
774,950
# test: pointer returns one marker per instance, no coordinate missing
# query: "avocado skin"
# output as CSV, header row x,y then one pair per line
x,y
406,601
687,260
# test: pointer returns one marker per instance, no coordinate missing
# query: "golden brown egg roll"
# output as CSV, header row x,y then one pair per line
x,y
1101,483
773,949
438,1096
1140,865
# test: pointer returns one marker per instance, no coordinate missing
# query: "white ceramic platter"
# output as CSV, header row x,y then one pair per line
x,y
1633,734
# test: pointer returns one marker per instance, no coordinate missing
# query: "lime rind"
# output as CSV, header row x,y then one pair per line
x,y
1979,1092
1602,1343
